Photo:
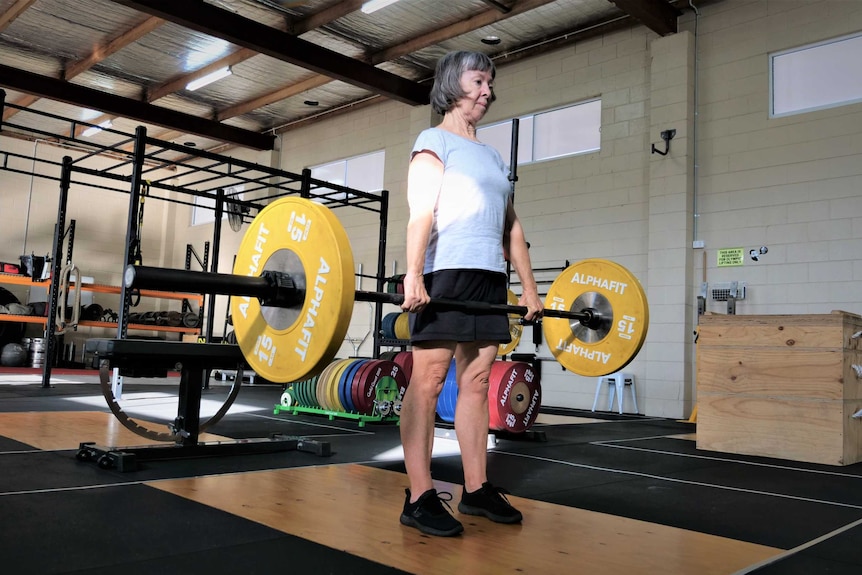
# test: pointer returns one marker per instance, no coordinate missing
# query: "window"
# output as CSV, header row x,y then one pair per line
x,y
555,133
363,172
204,210
817,76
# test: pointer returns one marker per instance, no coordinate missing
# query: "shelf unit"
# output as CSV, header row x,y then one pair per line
x,y
12,279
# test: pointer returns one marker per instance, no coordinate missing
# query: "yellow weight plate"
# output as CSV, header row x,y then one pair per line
x,y
330,383
320,391
402,326
321,381
335,379
306,240
617,296
515,327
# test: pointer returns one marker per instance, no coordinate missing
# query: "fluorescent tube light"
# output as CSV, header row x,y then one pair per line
x,y
375,5
93,130
208,79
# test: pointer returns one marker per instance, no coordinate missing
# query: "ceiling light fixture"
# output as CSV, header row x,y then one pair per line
x,y
93,130
209,78
491,40
375,5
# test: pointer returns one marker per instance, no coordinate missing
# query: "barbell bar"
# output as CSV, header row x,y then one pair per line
x,y
293,296
277,289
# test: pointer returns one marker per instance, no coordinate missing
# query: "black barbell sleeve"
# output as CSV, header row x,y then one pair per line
x,y
165,279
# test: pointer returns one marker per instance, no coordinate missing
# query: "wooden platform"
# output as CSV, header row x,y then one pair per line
x,y
550,419
355,508
67,429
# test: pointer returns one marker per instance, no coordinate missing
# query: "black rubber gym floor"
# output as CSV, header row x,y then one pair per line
x,y
61,515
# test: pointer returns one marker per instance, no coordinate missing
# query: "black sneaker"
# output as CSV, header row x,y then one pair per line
x,y
428,515
491,502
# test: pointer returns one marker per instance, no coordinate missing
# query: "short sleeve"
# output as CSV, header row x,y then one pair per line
x,y
431,140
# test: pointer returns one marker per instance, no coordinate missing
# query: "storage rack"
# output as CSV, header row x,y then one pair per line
x,y
136,157
96,288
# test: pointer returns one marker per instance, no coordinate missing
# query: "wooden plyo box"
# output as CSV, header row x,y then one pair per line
x,y
781,386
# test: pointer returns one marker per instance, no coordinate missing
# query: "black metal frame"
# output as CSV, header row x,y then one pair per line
x,y
148,358
132,170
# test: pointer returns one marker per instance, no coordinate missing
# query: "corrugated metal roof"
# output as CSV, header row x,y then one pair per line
x,y
135,49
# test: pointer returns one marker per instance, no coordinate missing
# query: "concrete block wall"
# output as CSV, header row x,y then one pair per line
x,y
791,183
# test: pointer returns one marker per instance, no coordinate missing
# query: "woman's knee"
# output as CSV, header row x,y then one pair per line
x,y
475,382
429,378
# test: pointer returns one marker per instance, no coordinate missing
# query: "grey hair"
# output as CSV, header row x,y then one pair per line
x,y
447,79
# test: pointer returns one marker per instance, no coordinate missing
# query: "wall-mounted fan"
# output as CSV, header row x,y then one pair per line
x,y
235,212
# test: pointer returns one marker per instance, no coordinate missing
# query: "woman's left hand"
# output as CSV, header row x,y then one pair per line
x,y
533,303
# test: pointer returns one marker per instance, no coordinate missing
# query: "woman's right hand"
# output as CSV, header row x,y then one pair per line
x,y
415,295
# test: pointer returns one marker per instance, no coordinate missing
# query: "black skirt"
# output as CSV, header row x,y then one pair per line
x,y
432,324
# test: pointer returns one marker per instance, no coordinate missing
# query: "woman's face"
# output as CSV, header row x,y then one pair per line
x,y
478,87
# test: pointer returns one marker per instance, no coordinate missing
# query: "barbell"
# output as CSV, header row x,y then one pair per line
x,y
292,298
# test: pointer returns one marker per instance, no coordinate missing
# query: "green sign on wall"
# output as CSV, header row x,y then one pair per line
x,y
728,257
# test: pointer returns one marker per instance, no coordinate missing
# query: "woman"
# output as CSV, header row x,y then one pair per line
x,y
462,222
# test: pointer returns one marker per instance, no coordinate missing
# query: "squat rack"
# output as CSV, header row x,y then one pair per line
x,y
137,157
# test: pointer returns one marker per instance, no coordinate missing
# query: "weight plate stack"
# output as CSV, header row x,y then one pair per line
x,y
346,384
388,325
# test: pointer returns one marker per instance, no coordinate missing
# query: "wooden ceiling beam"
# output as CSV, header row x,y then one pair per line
x,y
286,92
214,21
325,16
451,31
498,6
657,15
112,47
70,93
179,82
13,12
23,102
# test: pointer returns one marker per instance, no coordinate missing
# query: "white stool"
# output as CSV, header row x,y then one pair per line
x,y
618,381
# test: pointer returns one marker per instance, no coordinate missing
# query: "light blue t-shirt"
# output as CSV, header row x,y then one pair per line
x,y
470,214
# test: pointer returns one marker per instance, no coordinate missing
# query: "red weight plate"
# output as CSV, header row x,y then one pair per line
x,y
345,384
359,387
406,368
514,396
356,385
365,390
396,372
405,360
378,371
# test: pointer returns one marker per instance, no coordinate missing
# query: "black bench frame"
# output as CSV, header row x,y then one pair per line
x,y
151,358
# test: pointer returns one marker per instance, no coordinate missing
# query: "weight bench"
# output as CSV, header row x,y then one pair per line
x,y
155,358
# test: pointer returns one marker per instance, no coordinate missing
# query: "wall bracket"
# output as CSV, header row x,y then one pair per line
x,y
667,136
